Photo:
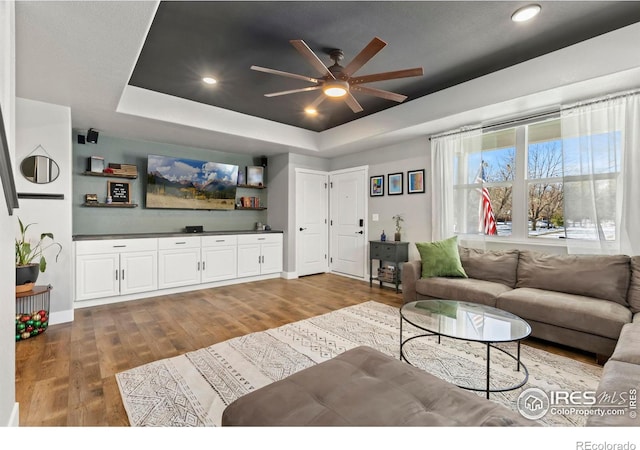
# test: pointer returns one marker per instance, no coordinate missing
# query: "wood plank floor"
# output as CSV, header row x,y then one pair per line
x,y
66,376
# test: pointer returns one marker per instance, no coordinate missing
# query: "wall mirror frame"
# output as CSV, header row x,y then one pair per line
x,y
39,169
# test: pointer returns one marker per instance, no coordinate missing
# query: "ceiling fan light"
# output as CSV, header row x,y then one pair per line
x,y
209,80
311,111
526,13
335,88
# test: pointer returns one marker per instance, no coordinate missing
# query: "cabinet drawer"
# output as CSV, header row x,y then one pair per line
x,y
259,238
178,242
384,252
216,241
115,245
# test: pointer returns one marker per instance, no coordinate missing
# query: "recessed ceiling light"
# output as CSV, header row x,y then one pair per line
x,y
311,111
209,80
526,13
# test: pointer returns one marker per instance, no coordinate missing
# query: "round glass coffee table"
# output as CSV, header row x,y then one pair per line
x,y
471,322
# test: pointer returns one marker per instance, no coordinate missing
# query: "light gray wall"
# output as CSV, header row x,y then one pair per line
x,y
139,220
415,208
8,405
45,129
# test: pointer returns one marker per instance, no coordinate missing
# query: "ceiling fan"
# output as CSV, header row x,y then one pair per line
x,y
339,82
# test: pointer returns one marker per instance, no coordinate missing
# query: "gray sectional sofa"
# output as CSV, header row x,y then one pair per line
x,y
581,301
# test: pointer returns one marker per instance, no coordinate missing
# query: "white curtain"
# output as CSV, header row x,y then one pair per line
x,y
444,151
601,165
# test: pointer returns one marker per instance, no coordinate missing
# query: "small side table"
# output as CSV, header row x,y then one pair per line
x,y
29,308
387,251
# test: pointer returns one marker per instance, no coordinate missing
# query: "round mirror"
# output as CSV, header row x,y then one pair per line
x,y
39,169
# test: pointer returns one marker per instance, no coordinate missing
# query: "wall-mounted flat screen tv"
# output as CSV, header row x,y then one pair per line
x,y
180,183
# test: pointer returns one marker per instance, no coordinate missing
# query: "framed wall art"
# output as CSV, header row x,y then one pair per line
x,y
415,181
394,183
376,188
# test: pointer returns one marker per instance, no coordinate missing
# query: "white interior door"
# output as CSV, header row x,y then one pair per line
x,y
311,222
348,219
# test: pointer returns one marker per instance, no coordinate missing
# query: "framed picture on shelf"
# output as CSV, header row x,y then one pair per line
x,y
120,192
255,176
394,183
376,186
415,181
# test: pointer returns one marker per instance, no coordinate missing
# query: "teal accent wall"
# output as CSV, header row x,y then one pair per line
x,y
87,220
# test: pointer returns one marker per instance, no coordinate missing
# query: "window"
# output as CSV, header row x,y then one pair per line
x,y
527,172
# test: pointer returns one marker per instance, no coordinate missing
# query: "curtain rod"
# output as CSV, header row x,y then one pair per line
x,y
539,115
499,124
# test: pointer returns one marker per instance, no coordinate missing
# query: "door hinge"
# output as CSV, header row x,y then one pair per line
x,y
331,260
325,221
325,256
331,184
325,185
331,222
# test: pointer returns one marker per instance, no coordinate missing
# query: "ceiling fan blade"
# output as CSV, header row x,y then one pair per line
x,y
317,101
311,58
364,56
285,74
380,93
293,91
351,101
405,73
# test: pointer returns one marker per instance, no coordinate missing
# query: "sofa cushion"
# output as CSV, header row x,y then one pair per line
x,y
628,346
489,265
633,297
576,312
605,277
364,387
440,258
463,289
617,378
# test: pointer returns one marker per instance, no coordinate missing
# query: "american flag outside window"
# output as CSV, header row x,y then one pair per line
x,y
487,218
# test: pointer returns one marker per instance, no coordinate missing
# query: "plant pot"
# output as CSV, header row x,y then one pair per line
x,y
26,277
396,237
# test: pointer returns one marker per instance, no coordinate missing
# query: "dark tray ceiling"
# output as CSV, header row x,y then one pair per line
x,y
453,41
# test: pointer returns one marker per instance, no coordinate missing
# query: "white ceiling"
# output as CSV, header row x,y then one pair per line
x,y
81,54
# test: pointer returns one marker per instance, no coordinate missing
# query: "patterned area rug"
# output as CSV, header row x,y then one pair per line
x,y
193,389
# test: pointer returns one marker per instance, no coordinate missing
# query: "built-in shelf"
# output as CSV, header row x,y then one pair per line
x,y
249,186
110,175
111,205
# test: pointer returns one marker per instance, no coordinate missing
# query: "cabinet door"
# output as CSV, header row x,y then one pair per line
x,y
249,257
97,276
219,263
178,267
271,257
138,272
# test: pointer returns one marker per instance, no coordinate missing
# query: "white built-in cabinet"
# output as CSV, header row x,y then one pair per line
x,y
106,268
259,254
220,258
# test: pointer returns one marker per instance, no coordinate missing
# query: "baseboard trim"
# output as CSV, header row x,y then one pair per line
x,y
14,418
61,317
289,275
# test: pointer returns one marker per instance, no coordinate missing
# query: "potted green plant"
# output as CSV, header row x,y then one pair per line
x,y
30,259
398,218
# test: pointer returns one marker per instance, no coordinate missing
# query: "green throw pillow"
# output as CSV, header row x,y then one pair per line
x,y
441,258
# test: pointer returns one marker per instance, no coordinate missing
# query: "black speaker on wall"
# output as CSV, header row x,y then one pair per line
x,y
92,136
262,161
81,139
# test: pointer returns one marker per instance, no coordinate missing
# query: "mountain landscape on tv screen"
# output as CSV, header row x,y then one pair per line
x,y
180,183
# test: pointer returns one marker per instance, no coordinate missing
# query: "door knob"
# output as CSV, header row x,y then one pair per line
x,y
302,229
359,232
